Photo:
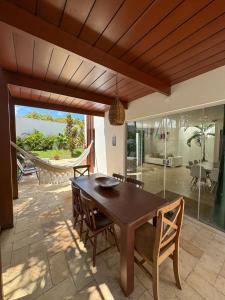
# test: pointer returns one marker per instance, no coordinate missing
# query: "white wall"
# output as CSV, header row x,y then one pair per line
x,y
204,90
26,126
115,154
100,146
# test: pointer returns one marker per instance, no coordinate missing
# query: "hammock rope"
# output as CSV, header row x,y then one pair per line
x,y
53,173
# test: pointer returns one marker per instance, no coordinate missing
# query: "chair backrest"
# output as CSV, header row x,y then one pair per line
x,y
119,177
81,170
77,205
195,161
195,171
190,163
138,183
20,165
214,174
168,230
89,210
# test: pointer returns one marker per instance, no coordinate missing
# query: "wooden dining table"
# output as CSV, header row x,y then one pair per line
x,y
129,207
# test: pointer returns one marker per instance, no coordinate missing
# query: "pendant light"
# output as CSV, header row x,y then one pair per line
x,y
116,110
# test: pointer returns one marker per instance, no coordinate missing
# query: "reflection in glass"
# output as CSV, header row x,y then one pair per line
x,y
182,154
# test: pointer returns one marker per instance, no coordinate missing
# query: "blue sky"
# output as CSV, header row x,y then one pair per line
x,y
23,110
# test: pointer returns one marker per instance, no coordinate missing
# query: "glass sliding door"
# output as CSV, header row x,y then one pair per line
x,y
182,155
134,150
212,153
153,170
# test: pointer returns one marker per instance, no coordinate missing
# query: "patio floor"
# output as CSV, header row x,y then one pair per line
x,y
43,257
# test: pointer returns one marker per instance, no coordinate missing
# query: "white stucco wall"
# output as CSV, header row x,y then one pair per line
x,y
26,126
204,90
100,145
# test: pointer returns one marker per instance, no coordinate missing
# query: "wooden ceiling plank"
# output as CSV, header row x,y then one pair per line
x,y
51,10
29,5
42,56
35,94
204,55
206,15
199,48
24,48
98,19
41,29
26,81
56,64
201,70
25,93
101,80
152,16
174,20
7,51
186,45
76,12
201,64
81,73
92,77
69,69
55,106
127,15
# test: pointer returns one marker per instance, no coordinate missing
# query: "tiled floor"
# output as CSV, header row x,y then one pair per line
x,y
44,259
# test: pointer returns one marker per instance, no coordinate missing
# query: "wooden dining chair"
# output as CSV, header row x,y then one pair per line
x,y
78,214
81,170
96,223
156,243
138,183
119,177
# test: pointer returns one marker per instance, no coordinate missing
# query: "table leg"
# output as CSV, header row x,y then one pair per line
x,y
127,259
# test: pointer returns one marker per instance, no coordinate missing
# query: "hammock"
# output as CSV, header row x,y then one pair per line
x,y
53,173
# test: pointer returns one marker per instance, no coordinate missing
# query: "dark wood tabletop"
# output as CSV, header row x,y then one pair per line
x,y
125,203
127,206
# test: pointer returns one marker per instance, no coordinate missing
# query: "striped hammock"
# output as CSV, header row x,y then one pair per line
x,y
54,173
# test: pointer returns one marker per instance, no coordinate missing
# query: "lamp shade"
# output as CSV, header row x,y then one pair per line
x,y
116,113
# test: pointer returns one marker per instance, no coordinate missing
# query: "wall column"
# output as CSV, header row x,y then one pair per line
x,y
13,150
90,137
6,203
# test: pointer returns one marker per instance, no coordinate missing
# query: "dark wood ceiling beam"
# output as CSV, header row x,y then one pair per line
x,y
35,26
54,106
43,85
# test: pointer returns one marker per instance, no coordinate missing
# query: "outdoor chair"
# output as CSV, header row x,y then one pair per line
x,y
195,171
196,162
26,171
213,176
81,170
78,214
138,183
156,243
119,177
97,223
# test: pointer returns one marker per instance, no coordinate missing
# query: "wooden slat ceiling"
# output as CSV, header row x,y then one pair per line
x,y
173,41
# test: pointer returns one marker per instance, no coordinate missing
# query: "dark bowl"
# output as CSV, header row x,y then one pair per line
x,y
107,182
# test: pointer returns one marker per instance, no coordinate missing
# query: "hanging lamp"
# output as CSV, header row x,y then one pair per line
x,y
116,110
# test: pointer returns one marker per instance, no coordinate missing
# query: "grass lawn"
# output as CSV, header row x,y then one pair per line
x,y
61,153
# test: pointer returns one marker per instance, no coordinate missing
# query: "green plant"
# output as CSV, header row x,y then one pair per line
x,y
71,133
200,135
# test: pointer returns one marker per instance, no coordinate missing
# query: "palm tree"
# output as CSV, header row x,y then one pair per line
x,y
200,136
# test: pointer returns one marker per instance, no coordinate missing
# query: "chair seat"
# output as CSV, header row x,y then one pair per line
x,y
145,240
102,221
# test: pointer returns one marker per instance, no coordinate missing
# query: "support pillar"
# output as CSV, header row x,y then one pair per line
x,y
90,137
13,150
6,203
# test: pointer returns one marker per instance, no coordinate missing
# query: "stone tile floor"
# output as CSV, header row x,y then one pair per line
x,y
43,257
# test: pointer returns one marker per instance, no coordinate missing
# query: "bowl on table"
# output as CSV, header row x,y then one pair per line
x,y
107,182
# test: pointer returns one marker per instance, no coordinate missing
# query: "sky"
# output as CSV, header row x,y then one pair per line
x,y
23,110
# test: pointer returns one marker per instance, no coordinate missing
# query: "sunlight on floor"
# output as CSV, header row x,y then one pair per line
x,y
43,257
